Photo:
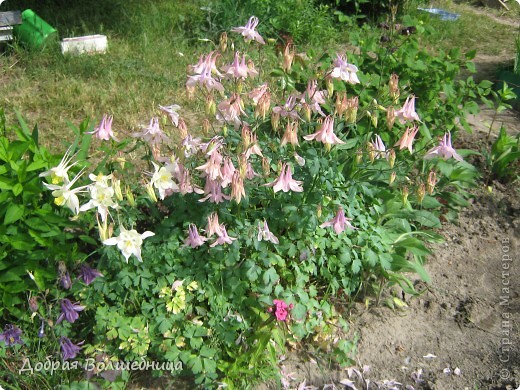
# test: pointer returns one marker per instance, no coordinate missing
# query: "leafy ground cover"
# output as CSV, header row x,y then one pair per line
x,y
248,220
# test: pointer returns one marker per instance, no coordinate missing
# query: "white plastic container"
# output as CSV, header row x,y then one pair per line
x,y
88,44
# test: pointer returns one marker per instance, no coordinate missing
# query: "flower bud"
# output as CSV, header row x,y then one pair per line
x,y
266,167
390,117
330,85
420,192
103,230
393,86
183,128
359,156
33,304
246,136
405,195
432,180
307,112
151,192
129,196
352,109
206,126
299,159
341,103
190,92
391,158
116,183
318,211
275,120
210,107
223,42
371,152
392,178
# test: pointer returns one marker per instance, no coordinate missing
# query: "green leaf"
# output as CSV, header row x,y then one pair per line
x,y
17,189
13,214
427,219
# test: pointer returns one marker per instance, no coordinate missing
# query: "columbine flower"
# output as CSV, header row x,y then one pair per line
x,y
407,113
212,167
406,140
171,111
104,130
313,97
226,172
68,348
288,109
230,110
248,31
69,311
265,234
379,148
65,280
11,335
153,133
162,180
223,237
444,150
194,239
257,93
203,74
59,174
213,191
87,274
101,196
285,181
237,187
280,309
239,69
344,71
339,222
64,195
326,133
213,226
129,242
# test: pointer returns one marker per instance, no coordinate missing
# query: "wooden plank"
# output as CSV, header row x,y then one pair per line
x,y
10,18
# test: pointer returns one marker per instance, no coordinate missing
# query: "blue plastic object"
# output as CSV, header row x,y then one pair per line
x,y
442,14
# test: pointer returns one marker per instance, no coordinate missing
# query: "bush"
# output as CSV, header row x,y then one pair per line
x,y
256,227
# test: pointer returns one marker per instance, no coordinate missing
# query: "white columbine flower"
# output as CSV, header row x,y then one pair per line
x,y
162,180
64,194
59,174
129,242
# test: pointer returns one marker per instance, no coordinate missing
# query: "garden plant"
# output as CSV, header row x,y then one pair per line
x,y
222,237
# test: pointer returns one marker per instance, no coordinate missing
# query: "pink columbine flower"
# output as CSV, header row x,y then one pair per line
x,y
407,113
104,130
280,309
444,150
313,97
213,226
339,222
249,31
223,237
226,172
203,76
257,93
288,109
285,182
213,191
212,167
326,133
344,71
406,140
264,234
379,147
171,111
153,133
194,239
239,69
230,110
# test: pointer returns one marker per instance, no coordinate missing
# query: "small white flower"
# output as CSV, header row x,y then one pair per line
x,y
59,174
129,242
162,180
64,195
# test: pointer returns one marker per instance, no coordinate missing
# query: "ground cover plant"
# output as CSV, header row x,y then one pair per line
x,y
300,187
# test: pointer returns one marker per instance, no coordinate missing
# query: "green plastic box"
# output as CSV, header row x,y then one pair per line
x,y
34,32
